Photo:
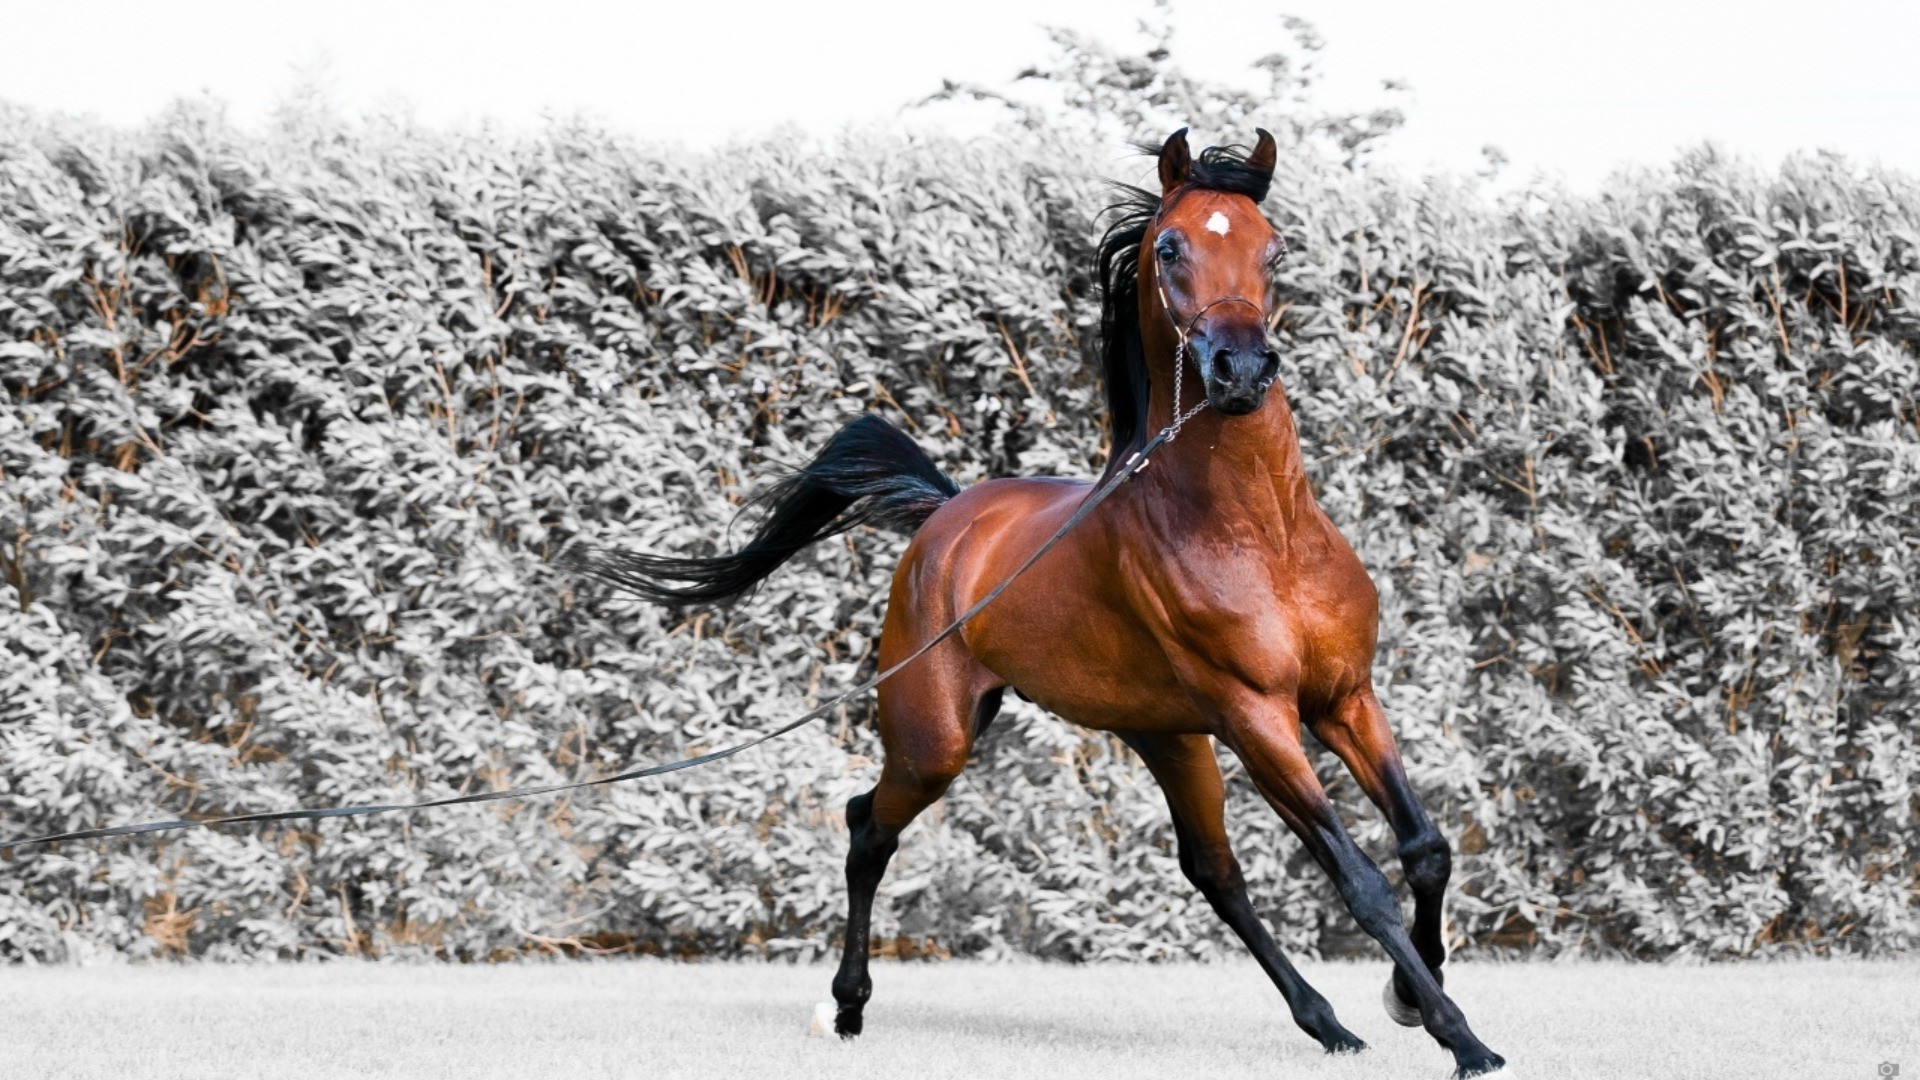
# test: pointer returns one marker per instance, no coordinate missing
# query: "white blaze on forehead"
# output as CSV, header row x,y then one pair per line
x,y
1217,223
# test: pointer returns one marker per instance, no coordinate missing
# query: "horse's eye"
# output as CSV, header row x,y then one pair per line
x,y
1167,251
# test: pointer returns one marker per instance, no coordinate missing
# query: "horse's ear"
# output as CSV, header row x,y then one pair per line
x,y
1175,161
1262,158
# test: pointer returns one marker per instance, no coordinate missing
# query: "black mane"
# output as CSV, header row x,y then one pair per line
x,y
1123,362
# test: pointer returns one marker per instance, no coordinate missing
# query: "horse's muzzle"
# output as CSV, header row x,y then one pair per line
x,y
1239,375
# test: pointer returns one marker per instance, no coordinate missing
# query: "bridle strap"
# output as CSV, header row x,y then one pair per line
x,y
1183,350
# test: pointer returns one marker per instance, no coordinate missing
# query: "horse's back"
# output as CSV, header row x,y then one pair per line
x,y
993,525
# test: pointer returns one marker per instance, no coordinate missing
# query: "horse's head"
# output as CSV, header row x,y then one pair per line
x,y
1206,264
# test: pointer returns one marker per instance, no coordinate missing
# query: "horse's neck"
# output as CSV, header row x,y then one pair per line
x,y
1244,469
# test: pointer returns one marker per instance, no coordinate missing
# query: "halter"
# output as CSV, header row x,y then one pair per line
x,y
1182,352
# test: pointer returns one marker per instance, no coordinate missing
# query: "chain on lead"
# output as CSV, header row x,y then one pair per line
x,y
1180,356
1180,418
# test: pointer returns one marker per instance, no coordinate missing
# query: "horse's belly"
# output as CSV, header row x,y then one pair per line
x,y
1089,667
1125,703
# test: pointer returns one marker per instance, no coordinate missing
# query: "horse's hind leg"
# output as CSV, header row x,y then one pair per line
x,y
1357,732
929,715
1188,774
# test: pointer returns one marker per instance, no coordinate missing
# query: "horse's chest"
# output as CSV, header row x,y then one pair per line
x,y
1273,620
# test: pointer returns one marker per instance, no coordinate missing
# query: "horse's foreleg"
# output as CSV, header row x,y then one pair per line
x,y
1358,734
1267,739
1190,777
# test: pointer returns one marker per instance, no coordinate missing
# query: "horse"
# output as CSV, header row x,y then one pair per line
x,y
1207,599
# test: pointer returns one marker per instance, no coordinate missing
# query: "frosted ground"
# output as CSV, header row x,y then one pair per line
x,y
657,1019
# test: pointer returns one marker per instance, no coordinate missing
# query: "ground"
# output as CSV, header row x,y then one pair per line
x,y
654,1019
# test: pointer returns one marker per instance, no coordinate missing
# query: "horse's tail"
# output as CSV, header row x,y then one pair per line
x,y
869,472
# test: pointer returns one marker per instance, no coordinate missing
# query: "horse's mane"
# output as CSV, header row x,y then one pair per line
x,y
1123,361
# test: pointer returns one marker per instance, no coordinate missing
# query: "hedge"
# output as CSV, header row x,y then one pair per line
x,y
298,419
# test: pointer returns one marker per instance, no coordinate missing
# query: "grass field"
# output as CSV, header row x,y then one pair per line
x,y
990,1021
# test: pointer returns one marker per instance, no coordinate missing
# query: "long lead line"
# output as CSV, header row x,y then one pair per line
x,y
1133,465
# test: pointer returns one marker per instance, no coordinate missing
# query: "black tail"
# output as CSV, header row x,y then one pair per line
x,y
869,472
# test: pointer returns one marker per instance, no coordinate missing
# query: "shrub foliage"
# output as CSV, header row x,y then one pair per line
x,y
297,423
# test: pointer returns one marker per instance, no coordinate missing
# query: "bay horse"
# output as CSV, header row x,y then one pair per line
x,y
1208,598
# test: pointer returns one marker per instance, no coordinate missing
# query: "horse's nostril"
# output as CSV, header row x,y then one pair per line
x,y
1219,369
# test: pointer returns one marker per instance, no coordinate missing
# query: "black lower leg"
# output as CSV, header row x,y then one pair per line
x,y
1368,895
1220,881
1427,863
872,846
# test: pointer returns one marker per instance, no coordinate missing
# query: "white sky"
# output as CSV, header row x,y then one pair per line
x,y
1568,89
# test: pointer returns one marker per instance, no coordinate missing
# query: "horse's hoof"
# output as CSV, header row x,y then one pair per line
x,y
1494,1066
820,1024
1403,1014
1346,1043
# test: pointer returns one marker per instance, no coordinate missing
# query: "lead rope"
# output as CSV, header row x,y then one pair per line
x,y
1126,472
1086,507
